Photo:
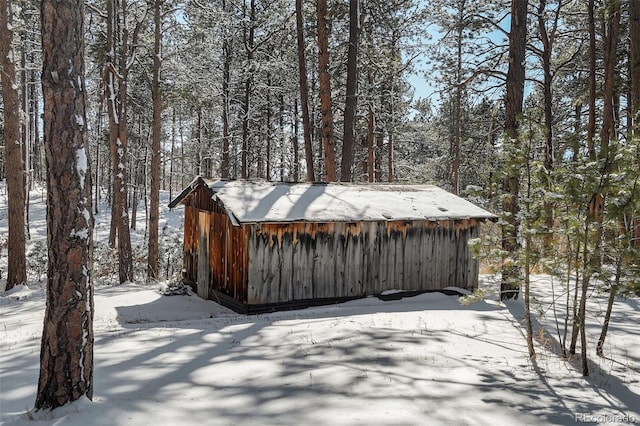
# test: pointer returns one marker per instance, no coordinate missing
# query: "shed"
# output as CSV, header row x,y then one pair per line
x,y
263,246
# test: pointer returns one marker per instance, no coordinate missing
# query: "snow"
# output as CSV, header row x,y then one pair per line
x,y
81,160
422,360
275,202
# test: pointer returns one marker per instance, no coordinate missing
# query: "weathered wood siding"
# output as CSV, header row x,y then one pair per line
x,y
190,256
270,263
227,247
228,256
299,261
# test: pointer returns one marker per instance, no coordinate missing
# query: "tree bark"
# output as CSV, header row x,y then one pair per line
x,y
634,59
351,95
156,130
371,137
457,137
513,109
17,273
248,85
294,143
27,143
607,316
634,89
268,131
326,111
116,95
591,123
66,357
547,49
304,95
608,130
226,94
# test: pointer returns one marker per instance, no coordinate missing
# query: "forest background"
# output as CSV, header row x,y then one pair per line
x,y
536,116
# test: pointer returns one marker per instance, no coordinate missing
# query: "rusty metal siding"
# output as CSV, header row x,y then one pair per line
x,y
298,261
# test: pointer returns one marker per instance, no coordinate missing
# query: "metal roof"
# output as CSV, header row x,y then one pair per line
x,y
261,201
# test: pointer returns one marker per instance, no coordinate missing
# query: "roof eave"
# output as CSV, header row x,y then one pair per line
x,y
195,183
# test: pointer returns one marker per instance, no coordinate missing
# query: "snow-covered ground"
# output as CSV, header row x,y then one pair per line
x,y
425,360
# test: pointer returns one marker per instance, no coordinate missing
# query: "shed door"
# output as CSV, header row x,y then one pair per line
x,y
203,255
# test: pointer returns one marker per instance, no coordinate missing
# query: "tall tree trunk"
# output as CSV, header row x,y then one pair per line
x,y
173,147
283,139
294,143
97,172
634,59
371,137
113,102
591,123
607,316
547,49
352,94
326,111
457,136
125,256
26,118
198,138
225,165
612,34
513,109
226,75
17,273
304,95
249,36
116,76
156,130
268,124
66,357
634,89
390,156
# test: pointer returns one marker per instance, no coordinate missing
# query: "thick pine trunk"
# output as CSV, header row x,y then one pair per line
x,y
634,52
225,164
352,94
513,109
116,96
326,112
66,358
156,130
371,136
17,273
226,75
304,95
249,39
547,48
591,123
608,131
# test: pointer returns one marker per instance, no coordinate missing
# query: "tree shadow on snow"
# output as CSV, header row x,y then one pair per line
x,y
619,398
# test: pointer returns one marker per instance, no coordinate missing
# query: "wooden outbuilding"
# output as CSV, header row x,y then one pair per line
x,y
262,246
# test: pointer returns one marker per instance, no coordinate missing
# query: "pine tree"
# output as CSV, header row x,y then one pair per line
x,y
304,93
154,209
513,111
66,357
326,109
17,273
351,95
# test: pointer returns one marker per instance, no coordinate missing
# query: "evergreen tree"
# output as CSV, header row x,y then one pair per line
x,y
66,357
13,151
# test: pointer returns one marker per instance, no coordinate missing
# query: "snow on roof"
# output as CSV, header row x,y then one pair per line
x,y
252,202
